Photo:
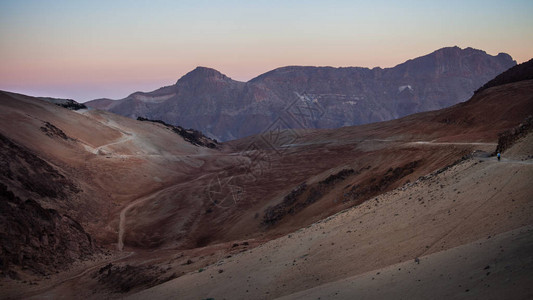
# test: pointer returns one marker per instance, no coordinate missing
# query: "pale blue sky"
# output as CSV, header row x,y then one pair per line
x,y
91,49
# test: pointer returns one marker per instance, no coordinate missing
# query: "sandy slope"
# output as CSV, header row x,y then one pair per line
x,y
495,268
474,200
112,159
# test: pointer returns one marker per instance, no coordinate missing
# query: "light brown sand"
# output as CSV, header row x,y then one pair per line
x,y
469,202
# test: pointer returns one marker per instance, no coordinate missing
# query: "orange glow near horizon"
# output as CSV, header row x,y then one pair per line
x,y
87,50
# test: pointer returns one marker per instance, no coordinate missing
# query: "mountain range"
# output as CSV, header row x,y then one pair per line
x,y
97,205
313,97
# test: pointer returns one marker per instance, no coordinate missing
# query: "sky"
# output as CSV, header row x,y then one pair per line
x,y
85,50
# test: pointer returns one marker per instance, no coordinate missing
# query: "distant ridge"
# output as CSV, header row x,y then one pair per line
x,y
313,97
523,71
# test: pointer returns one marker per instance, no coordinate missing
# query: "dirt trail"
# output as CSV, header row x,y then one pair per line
x,y
122,218
126,136
452,143
430,142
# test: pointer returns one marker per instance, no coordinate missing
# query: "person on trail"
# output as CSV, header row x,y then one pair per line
x,y
499,156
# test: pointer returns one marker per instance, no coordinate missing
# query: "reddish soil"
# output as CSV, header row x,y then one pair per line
x,y
181,202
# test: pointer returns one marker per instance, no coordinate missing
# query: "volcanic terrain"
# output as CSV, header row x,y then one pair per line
x,y
416,207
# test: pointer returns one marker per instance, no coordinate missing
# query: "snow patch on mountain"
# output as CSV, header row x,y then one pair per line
x,y
403,87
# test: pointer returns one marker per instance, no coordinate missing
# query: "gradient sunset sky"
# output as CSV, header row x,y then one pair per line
x,y
92,49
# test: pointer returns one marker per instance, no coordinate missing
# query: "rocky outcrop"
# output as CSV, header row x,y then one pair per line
x,y
313,97
66,103
36,239
289,204
26,171
192,136
509,137
127,278
52,131
376,185
305,195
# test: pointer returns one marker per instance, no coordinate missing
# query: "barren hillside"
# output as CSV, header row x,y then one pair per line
x,y
158,207
464,232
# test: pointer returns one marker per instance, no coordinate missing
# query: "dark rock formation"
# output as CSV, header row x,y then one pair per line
x,y
36,239
66,103
52,131
126,278
507,138
275,213
376,185
192,136
20,168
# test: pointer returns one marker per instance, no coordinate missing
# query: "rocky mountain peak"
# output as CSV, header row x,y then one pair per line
x,y
523,71
203,74
213,103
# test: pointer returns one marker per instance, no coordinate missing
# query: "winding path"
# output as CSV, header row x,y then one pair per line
x,y
452,143
122,218
126,136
